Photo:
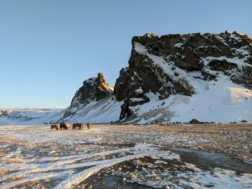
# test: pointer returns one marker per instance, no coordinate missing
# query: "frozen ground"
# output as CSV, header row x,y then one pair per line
x,y
123,156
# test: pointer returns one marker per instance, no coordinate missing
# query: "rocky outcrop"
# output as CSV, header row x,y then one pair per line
x,y
161,65
194,121
243,77
93,89
222,65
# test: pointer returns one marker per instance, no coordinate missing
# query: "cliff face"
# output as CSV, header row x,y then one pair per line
x,y
93,89
167,65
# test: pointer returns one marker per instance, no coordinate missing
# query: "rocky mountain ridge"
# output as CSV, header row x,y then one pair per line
x,y
166,68
161,65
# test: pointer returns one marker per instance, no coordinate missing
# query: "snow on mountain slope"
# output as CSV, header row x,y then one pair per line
x,y
104,111
218,101
29,116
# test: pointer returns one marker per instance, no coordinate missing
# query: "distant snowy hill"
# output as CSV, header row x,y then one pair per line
x,y
29,116
176,78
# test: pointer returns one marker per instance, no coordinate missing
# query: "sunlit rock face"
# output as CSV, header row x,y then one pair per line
x,y
93,89
164,65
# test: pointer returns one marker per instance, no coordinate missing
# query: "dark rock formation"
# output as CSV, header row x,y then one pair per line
x,y
190,62
161,65
194,121
222,65
243,77
93,89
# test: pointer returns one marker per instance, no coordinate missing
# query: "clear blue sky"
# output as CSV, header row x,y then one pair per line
x,y
49,47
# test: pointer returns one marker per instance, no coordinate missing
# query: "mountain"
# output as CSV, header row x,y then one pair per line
x,y
169,78
95,93
173,78
179,77
29,116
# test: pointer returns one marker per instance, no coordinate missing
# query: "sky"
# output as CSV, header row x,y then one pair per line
x,y
49,47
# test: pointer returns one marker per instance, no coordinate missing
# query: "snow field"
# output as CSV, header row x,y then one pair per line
x,y
38,157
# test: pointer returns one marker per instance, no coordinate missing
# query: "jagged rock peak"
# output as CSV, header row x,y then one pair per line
x,y
93,89
161,65
102,85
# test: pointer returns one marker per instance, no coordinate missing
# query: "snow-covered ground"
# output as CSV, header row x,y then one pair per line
x,y
37,157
